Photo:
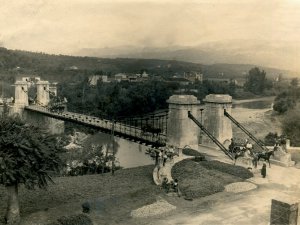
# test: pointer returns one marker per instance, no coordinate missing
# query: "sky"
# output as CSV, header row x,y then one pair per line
x,y
65,26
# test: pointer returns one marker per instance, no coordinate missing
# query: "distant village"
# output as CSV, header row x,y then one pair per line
x,y
184,79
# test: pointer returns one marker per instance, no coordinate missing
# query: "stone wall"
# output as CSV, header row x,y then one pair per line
x,y
284,213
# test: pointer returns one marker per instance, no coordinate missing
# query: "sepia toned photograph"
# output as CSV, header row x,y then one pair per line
x,y
149,112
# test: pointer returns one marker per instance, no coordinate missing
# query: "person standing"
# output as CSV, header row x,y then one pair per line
x,y
264,171
165,157
156,157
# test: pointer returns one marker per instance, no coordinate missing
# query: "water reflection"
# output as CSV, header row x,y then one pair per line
x,y
128,153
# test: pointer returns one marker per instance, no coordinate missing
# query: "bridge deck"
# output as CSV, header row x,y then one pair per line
x,y
120,129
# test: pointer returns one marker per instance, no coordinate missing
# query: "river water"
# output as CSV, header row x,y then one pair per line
x,y
130,154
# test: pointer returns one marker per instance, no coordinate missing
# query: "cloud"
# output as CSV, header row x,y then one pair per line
x,y
63,26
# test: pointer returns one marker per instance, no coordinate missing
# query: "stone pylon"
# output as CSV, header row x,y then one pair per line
x,y
182,131
21,98
21,93
214,119
43,97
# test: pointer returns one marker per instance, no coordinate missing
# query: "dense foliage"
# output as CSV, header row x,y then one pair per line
x,y
287,104
92,159
114,100
291,126
273,138
28,154
124,99
256,81
286,100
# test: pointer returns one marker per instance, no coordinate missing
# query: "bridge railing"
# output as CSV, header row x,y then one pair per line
x,y
120,128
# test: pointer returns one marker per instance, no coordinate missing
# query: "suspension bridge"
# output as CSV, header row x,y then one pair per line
x,y
177,126
148,130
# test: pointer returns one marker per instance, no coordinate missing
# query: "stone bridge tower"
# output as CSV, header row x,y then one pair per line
x,y
21,93
182,131
21,98
215,121
43,97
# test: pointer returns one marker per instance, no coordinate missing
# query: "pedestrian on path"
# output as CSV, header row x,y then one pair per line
x,y
264,171
165,157
176,188
156,157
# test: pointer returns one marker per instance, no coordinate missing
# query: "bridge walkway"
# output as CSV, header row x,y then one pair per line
x,y
126,131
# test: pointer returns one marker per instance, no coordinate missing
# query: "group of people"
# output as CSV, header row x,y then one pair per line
x,y
162,155
252,157
171,186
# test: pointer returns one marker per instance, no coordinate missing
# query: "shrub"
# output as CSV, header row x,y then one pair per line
x,y
291,127
271,139
191,152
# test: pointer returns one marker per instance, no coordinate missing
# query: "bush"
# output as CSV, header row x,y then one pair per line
x,y
271,139
192,152
79,219
291,127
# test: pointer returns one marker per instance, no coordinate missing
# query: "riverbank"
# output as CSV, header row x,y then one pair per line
x,y
258,121
240,101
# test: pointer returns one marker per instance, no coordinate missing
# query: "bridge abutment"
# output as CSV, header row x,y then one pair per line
x,y
182,131
215,121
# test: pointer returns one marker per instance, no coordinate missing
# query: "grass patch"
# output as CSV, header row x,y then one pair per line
x,y
113,195
200,179
237,171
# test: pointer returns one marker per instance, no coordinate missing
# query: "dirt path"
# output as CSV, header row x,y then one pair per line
x,y
248,208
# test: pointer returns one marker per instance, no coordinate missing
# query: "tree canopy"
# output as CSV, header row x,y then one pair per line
x,y
256,81
28,154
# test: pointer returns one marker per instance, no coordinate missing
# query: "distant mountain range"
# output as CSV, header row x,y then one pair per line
x,y
282,55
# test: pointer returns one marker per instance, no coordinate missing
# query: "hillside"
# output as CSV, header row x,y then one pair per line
x,y
61,67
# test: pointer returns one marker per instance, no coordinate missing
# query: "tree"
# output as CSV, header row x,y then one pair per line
x,y
28,156
294,82
256,81
291,126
